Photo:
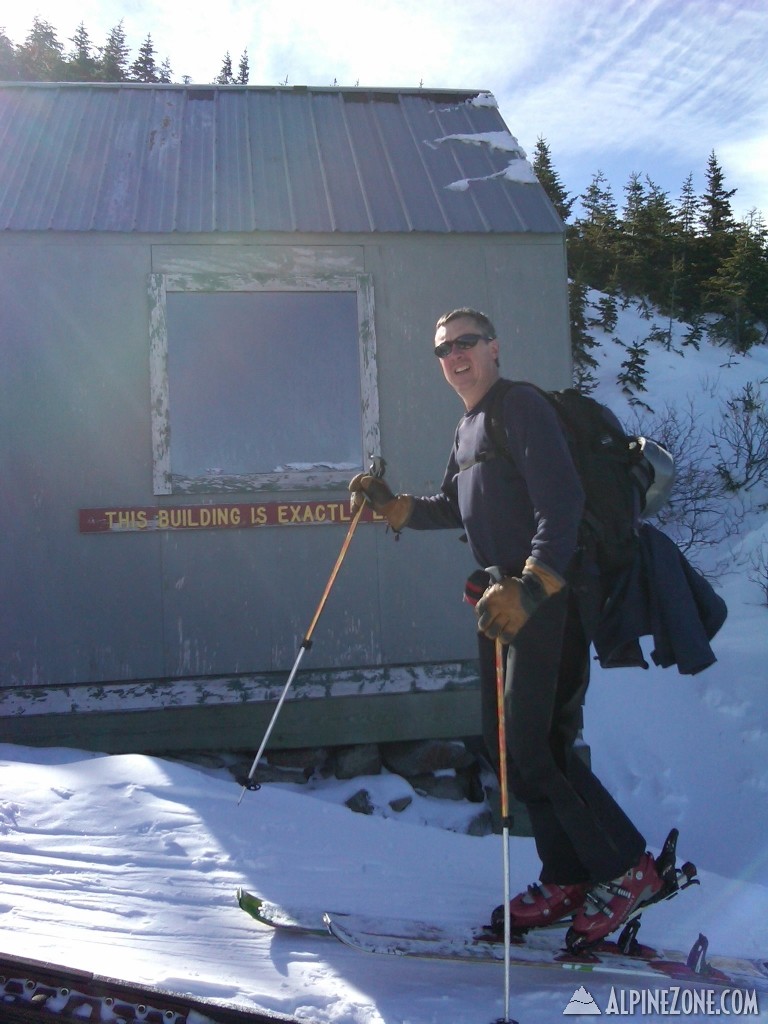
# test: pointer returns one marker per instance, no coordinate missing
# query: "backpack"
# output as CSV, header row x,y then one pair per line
x,y
624,477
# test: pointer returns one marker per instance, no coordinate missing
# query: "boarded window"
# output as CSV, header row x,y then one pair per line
x,y
260,387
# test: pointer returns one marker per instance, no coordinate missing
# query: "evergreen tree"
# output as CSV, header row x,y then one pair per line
x,y
608,314
243,70
550,179
688,209
695,334
144,68
716,213
592,247
658,263
739,288
645,254
633,373
631,238
165,72
717,223
225,76
40,56
685,299
81,65
584,362
113,63
9,64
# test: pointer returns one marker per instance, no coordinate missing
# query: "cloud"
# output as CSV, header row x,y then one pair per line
x,y
656,83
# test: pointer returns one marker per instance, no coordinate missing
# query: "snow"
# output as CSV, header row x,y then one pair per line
x,y
518,169
128,865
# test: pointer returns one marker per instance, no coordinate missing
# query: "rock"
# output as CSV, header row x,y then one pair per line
x,y
401,803
442,787
420,757
360,802
362,759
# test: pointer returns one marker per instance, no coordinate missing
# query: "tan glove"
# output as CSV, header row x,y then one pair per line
x,y
506,606
396,508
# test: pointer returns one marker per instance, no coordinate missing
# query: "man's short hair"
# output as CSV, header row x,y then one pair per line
x,y
482,321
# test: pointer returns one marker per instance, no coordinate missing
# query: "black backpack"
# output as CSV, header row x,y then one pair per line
x,y
613,471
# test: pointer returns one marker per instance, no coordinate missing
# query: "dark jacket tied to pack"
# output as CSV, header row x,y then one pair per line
x,y
662,596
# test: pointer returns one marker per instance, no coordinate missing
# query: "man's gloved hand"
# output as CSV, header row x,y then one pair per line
x,y
396,508
506,606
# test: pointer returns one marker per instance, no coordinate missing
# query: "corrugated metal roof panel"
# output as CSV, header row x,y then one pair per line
x,y
124,158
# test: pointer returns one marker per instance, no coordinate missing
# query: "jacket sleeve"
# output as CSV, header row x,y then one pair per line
x,y
439,511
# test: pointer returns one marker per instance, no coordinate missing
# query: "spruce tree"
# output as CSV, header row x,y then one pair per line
x,y
717,223
582,342
10,70
716,213
685,295
81,65
633,373
225,76
144,68
550,179
243,70
631,238
40,57
113,61
593,241
739,288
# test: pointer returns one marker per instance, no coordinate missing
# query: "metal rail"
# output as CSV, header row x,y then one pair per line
x,y
35,991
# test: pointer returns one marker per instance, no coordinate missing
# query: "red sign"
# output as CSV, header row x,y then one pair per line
x,y
218,517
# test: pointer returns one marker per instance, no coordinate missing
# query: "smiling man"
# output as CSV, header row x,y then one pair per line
x,y
521,510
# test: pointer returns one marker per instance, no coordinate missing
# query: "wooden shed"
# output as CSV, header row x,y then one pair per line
x,y
216,304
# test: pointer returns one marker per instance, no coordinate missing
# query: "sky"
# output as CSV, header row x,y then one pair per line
x,y
618,86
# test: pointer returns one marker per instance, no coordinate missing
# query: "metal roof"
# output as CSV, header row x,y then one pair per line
x,y
165,158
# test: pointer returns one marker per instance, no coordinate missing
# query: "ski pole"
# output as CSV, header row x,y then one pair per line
x,y
501,721
377,469
504,787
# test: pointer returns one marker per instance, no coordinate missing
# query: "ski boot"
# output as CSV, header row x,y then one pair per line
x,y
621,902
540,905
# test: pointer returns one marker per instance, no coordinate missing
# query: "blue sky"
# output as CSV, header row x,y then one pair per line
x,y
622,86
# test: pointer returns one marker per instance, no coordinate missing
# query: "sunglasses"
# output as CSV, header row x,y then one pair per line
x,y
462,344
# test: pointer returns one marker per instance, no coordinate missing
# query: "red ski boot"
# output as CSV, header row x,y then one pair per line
x,y
608,904
539,905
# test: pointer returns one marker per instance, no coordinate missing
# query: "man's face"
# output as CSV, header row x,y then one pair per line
x,y
472,371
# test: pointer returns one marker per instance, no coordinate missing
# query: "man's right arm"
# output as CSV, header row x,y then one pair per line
x,y
434,512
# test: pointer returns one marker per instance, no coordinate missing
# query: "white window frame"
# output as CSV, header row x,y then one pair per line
x,y
164,481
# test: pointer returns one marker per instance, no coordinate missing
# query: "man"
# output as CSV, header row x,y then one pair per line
x,y
521,514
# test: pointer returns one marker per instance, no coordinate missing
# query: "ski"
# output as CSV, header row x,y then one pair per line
x,y
540,947
308,921
547,952
543,947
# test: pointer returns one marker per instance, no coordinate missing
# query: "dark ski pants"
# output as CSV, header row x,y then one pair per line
x,y
581,833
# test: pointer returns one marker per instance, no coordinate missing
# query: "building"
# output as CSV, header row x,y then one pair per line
x,y
216,304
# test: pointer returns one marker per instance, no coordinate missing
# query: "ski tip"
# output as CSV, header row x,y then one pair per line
x,y
248,902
